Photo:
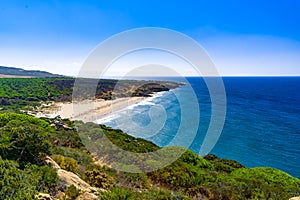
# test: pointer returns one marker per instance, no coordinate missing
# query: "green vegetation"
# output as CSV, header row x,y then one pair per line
x,y
19,184
80,155
12,178
95,176
158,194
68,164
25,140
27,93
71,193
22,93
189,177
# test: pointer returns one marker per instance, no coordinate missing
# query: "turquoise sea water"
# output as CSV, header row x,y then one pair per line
x,y
262,125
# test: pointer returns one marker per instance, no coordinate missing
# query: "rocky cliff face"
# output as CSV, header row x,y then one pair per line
x,y
67,179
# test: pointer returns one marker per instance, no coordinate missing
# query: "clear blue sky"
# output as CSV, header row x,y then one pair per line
x,y
242,37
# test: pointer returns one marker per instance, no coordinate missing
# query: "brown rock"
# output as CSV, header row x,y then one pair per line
x,y
87,196
59,195
67,179
48,159
42,196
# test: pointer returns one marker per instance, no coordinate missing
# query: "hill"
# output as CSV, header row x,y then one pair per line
x,y
25,142
9,72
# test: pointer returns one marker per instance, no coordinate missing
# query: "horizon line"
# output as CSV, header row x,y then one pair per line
x,y
226,75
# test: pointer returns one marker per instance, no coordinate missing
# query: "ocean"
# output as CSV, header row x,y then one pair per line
x,y
262,124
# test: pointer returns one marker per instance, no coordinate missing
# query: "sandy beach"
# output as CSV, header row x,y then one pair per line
x,y
88,110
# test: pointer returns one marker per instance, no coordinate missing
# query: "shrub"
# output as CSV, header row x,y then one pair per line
x,y
118,193
97,179
23,141
81,156
14,183
66,139
7,117
125,194
46,176
66,163
72,193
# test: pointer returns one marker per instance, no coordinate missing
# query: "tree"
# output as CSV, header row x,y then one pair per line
x,y
23,141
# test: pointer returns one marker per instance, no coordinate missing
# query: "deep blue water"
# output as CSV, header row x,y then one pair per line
x,y
262,126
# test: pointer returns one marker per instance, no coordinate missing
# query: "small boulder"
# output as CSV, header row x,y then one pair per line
x,y
42,196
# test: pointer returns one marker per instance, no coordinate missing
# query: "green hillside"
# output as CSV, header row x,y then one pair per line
x,y
25,141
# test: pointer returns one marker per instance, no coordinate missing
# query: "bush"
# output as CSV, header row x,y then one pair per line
x,y
118,193
66,163
272,183
46,176
66,139
125,194
7,117
14,183
97,179
72,193
81,156
23,141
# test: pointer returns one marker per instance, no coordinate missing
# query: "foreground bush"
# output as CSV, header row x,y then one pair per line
x,y
14,183
17,184
23,141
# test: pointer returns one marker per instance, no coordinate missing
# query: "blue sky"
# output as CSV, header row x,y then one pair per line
x,y
242,37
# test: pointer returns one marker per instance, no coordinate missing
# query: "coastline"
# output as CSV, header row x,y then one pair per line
x,y
92,110
87,110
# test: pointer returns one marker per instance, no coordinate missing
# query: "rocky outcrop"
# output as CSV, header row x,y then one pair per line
x,y
59,124
66,179
295,198
87,196
49,160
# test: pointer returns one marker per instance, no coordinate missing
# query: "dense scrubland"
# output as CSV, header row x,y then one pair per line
x,y
25,141
27,93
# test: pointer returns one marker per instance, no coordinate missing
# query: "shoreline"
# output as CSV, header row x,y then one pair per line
x,y
108,117
87,110
90,110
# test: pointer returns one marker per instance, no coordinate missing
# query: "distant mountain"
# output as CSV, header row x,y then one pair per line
x,y
6,72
